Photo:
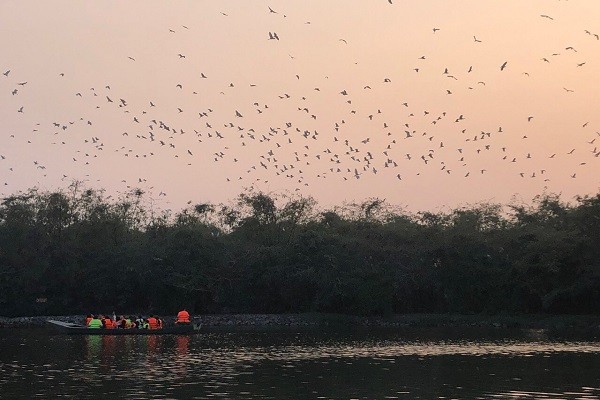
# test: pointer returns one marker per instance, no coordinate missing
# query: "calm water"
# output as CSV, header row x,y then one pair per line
x,y
406,364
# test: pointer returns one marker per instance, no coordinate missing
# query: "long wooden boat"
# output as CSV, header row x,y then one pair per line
x,y
77,329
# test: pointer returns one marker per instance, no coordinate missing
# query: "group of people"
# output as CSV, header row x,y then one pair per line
x,y
129,322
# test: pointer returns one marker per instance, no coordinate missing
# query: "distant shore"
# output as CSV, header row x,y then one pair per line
x,y
317,320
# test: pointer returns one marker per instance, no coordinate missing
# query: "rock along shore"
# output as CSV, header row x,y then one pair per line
x,y
316,320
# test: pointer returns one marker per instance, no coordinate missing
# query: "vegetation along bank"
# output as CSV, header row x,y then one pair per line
x,y
75,251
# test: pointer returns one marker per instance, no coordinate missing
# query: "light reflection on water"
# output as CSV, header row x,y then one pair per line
x,y
367,365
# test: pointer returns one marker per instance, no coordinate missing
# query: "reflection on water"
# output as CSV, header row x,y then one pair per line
x,y
367,365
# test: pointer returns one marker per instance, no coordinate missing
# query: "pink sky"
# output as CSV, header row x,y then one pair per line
x,y
298,133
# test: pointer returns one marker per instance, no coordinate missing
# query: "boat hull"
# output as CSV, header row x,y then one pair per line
x,y
75,329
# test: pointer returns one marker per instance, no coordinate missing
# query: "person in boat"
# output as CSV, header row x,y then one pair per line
x,y
129,324
88,319
108,323
139,322
183,317
153,322
121,322
95,323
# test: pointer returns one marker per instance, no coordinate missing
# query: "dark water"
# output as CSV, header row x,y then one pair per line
x,y
425,364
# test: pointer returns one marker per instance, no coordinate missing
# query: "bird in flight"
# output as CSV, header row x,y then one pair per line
x,y
503,66
131,58
273,35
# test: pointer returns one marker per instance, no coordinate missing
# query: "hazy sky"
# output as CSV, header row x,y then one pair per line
x,y
192,100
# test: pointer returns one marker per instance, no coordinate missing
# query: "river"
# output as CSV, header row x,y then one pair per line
x,y
312,364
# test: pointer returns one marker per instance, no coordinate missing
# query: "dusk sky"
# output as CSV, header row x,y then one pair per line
x,y
427,104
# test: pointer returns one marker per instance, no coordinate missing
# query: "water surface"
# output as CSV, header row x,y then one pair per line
x,y
364,364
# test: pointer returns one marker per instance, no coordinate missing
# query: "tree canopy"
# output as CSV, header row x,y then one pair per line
x,y
77,251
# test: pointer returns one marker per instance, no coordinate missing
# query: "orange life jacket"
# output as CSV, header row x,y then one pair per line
x,y
87,321
183,317
153,322
109,324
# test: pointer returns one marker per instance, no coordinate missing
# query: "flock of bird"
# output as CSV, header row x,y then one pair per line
x,y
288,138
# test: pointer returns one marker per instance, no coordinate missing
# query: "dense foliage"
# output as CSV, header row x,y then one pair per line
x,y
78,251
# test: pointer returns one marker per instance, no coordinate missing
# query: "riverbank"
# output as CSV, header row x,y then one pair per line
x,y
308,320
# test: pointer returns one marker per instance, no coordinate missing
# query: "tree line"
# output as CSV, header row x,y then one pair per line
x,y
78,251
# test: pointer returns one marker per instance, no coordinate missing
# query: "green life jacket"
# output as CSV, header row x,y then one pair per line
x,y
95,323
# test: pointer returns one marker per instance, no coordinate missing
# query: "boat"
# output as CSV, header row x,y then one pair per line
x,y
79,329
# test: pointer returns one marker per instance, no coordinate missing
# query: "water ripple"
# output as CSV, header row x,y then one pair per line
x,y
298,365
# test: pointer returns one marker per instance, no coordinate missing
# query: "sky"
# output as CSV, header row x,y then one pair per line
x,y
427,104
